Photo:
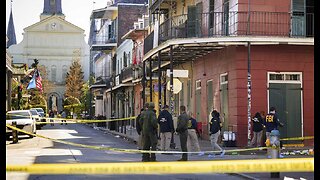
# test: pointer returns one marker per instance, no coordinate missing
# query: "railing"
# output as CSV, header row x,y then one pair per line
x,y
219,24
103,40
148,43
137,73
126,73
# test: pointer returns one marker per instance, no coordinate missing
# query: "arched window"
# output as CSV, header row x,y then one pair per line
x,y
53,73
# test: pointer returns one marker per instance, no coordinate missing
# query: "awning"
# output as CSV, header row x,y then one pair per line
x,y
135,34
95,86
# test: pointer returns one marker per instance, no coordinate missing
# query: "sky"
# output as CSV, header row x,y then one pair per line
x,y
27,12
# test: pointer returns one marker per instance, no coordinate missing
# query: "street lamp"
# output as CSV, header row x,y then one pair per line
x,y
111,84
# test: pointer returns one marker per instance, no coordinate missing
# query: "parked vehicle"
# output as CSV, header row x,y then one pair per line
x,y
41,113
37,117
24,121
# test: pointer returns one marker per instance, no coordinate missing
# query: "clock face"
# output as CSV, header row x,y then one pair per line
x,y
53,25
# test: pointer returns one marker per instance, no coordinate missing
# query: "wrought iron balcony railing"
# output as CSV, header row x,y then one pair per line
x,y
126,74
102,40
219,24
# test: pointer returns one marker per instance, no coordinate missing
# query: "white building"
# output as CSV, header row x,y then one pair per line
x,y
56,43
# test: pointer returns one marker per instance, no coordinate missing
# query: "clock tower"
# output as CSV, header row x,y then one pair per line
x,y
50,8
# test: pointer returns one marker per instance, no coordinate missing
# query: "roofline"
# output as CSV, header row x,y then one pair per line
x,y
51,17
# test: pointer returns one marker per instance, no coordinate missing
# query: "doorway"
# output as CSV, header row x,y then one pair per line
x,y
285,94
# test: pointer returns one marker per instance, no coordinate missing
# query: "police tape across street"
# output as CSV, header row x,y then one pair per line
x,y
128,150
219,166
124,150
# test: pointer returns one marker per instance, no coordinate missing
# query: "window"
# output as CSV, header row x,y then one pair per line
x,y
224,78
129,58
125,63
53,73
198,84
284,76
276,77
211,15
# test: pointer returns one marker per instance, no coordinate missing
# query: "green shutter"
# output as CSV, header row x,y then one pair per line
x,y
191,23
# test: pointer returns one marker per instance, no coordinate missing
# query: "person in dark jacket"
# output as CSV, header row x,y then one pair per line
x,y
149,133
271,121
215,132
166,128
192,134
257,130
182,129
138,128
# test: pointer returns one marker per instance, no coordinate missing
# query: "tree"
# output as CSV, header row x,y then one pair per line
x,y
74,80
85,98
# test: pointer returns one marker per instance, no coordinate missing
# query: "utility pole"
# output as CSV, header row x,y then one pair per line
x,y
249,76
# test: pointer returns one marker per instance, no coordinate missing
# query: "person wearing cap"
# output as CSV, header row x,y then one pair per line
x,y
271,121
149,133
166,128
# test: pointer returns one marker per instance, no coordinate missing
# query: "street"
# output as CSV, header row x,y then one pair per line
x,y
38,150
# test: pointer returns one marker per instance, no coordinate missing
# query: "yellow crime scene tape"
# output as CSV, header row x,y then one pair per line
x,y
128,150
297,138
84,120
220,166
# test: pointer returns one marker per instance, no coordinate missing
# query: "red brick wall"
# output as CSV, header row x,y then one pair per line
x,y
265,5
212,65
280,58
284,58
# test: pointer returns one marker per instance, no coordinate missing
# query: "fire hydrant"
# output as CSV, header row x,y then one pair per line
x,y
275,149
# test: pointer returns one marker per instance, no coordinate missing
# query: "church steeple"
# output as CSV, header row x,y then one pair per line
x,y
11,33
50,8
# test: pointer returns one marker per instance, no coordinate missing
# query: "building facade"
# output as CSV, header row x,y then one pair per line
x,y
56,43
244,58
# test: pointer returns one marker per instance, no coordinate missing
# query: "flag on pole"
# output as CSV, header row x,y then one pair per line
x,y
32,83
39,81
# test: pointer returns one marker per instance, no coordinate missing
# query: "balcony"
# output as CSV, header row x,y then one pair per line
x,y
126,74
103,43
219,24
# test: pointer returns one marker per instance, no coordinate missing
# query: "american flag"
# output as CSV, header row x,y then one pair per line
x,y
39,81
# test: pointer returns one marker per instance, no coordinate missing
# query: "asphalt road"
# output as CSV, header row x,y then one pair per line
x,y
38,150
